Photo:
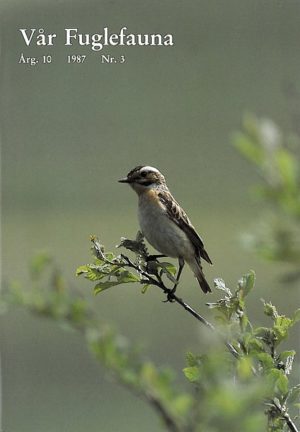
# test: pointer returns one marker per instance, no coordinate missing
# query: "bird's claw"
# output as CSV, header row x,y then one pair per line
x,y
170,296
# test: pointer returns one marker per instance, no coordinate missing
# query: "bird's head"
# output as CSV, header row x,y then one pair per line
x,y
142,178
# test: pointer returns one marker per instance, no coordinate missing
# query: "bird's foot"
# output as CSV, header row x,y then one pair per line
x,y
170,295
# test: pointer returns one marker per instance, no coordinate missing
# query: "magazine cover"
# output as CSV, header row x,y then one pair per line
x,y
150,215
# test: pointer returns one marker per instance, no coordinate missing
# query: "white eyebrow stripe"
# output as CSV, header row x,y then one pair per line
x,y
149,168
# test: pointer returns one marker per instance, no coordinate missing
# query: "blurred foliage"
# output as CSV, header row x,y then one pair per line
x,y
276,235
243,381
232,386
229,390
50,297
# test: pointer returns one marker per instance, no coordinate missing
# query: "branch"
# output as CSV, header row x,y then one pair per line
x,y
166,417
291,425
285,415
147,278
171,296
171,424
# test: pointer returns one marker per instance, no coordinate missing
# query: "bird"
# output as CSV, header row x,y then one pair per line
x,y
165,225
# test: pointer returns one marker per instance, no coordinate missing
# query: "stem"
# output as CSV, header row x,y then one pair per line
x,y
167,418
171,424
191,311
291,425
282,411
173,297
200,318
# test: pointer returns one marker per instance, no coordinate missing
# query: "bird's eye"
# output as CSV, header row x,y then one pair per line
x,y
143,173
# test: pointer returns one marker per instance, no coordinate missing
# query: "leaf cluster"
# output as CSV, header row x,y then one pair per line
x,y
241,383
258,348
260,370
244,381
50,297
276,159
109,270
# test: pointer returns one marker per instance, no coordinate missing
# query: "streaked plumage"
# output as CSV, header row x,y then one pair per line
x,y
165,224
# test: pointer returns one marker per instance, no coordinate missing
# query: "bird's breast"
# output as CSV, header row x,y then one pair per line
x,y
160,231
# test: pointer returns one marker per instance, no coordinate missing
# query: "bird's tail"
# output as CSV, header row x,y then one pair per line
x,y
195,266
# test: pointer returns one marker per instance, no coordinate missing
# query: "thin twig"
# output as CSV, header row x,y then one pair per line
x,y
167,418
282,410
171,424
291,425
171,297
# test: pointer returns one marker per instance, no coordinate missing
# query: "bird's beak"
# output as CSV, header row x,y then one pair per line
x,y
124,180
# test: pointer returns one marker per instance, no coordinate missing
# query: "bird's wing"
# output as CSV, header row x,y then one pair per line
x,y
180,218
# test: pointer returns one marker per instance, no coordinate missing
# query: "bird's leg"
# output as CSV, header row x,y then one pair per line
x,y
173,290
181,265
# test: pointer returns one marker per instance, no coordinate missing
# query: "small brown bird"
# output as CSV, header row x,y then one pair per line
x,y
165,224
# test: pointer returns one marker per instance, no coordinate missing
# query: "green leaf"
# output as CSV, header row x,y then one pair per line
x,y
145,288
168,268
246,283
192,373
182,404
248,148
255,346
296,316
39,263
94,272
126,277
264,333
122,277
109,256
283,383
281,327
294,393
82,269
244,367
192,359
97,248
148,372
284,355
287,166
279,380
102,286
266,360
270,310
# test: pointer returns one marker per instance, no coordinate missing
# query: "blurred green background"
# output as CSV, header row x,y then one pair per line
x,y
69,131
